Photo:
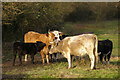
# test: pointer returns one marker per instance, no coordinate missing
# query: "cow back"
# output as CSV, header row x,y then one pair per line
x,y
34,36
78,45
105,46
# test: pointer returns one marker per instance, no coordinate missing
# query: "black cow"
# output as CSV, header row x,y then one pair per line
x,y
21,49
105,49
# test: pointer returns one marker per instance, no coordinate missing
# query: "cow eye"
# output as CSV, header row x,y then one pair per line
x,y
59,33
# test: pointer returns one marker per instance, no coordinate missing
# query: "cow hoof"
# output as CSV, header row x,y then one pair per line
x,y
26,60
48,63
108,62
93,68
104,62
69,67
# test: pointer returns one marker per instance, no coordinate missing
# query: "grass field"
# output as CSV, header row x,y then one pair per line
x,y
59,70
104,30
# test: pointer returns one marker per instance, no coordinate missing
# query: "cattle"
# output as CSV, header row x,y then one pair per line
x,y
21,49
78,45
31,37
105,50
45,38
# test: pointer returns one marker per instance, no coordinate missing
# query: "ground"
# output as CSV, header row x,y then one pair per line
x,y
81,69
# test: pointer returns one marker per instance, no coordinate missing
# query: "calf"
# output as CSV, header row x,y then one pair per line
x,y
77,45
105,50
26,48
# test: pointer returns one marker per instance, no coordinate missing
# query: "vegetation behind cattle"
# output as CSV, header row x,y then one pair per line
x,y
18,19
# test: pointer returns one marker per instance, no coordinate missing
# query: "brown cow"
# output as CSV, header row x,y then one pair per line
x,y
77,45
32,37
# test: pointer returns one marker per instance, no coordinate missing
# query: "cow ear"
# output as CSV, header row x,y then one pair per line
x,y
61,33
48,30
48,33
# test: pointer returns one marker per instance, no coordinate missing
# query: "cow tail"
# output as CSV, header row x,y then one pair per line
x,y
96,48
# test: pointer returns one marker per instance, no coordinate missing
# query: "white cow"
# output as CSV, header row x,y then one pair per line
x,y
77,45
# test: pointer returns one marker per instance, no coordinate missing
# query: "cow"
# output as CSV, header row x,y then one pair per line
x,y
45,38
105,50
78,45
21,49
31,37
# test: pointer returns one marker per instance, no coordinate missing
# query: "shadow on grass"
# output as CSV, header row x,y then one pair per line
x,y
59,60
117,63
13,76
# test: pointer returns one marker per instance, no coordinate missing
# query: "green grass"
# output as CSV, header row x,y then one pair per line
x,y
104,30
103,27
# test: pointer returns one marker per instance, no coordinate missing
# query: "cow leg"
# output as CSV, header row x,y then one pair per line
x,y
93,61
43,57
69,60
20,59
47,58
32,59
51,57
108,57
26,57
14,58
101,58
105,59
55,55
72,58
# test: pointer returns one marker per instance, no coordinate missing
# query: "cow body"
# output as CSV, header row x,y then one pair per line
x,y
77,45
105,50
21,49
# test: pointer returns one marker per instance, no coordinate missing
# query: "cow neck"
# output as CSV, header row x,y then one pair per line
x,y
59,46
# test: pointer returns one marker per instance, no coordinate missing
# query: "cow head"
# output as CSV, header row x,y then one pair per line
x,y
50,36
54,47
57,35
